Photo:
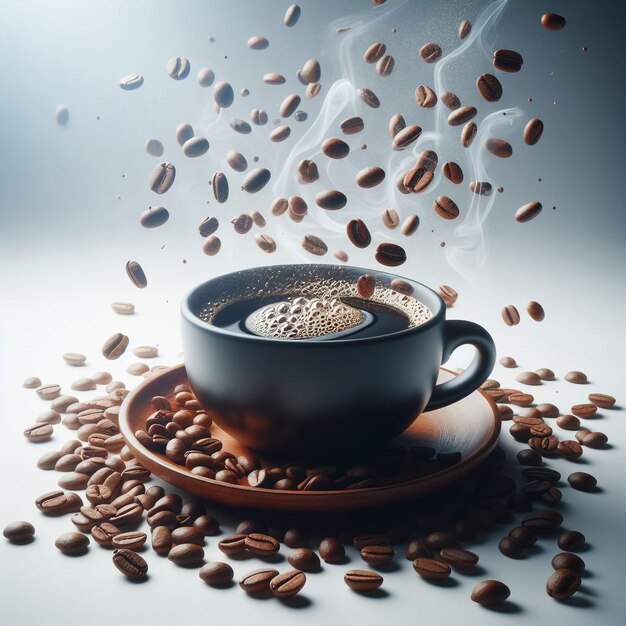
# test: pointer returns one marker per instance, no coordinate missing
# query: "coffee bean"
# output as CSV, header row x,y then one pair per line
x,y
490,592
280,133
258,43
464,29
369,97
266,243
256,179
72,543
584,410
370,177
528,378
481,188
233,545
314,245
335,148
377,555
552,21
365,286
535,310
546,446
570,449
363,580
595,440
461,116
406,136
304,559
448,295
205,77
533,131
576,377
450,100
131,540
489,87
505,413
417,549
507,60
566,560
130,563
311,71
458,559
287,584
431,569
524,537
73,480
528,211
74,359
307,171
390,254
292,15
582,481
547,374
384,67
162,177
425,97
223,94
430,52
332,551
211,245
446,207
19,532
186,554
258,580
509,546
396,124
154,147
438,540
137,277
312,90
563,584
340,255
602,400
358,233
39,432
499,147
410,225
48,392
161,540
153,217
543,522
32,382
510,315
130,82
391,219
374,53
452,172
261,545
178,68
195,147
468,134
568,422
331,200
216,573
571,540
529,457
129,514
58,503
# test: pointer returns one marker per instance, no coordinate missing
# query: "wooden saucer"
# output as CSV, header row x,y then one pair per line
x,y
470,426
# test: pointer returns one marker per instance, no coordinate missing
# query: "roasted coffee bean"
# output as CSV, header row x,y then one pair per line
x,y
462,115
582,481
499,147
261,545
535,310
377,555
528,378
390,254
552,21
374,53
543,522
391,219
115,346
566,560
161,540
468,134
258,580
570,449
304,559
19,532
32,383
533,131
311,71
280,133
352,125
546,408
331,200
130,563
72,543
481,188
39,432
186,554
510,315
430,52
178,68
489,87
507,60
233,545
529,457
103,534
446,207
223,94
195,147
335,148
450,100
296,538
509,546
592,439
188,534
256,180
73,480
216,573
363,580
448,295
438,540
332,550
384,66
58,503
258,43
544,445
425,97
584,410
571,540
129,514
48,392
131,540
396,124
431,569
370,177
568,422
273,78
406,136
369,97
410,225
602,400
184,132
490,592
464,29
541,473
162,177
453,172
358,233
458,559
524,537
563,584
365,286
287,584
307,171
528,211
576,377
417,549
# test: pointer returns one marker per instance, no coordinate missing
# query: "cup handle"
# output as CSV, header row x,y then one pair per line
x,y
457,333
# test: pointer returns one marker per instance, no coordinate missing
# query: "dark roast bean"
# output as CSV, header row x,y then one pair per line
x,y
468,134
431,569
461,116
130,563
369,97
72,543
377,555
161,540
332,551
258,580
535,310
523,536
499,147
541,473
509,546
261,545
416,549
451,100
331,200
489,87
528,211
582,481
439,540
458,559
365,286
233,544
452,172
544,445
188,534
490,592
287,584
352,125
358,233
507,60
543,522
104,533
19,532
446,207
314,245
186,554
552,21
584,410
307,171
569,449
370,177
566,560
529,457
304,559
131,540
362,580
430,52
256,180
533,131
216,573
571,540
390,254
592,439
510,315
563,584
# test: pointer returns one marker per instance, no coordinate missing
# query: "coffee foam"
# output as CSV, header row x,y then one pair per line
x,y
334,316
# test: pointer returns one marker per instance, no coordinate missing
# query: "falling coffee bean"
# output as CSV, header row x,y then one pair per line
x,y
136,274
489,87
162,177
446,207
552,21
115,346
507,60
358,233
365,286
430,52
510,315
533,131
390,254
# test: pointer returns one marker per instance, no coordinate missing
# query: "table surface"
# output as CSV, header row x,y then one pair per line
x,y
70,224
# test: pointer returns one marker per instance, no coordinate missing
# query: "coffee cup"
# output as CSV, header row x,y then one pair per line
x,y
329,394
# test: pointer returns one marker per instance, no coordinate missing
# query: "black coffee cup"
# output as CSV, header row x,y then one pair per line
x,y
320,397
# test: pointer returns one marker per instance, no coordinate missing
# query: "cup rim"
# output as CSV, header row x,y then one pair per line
x,y
191,317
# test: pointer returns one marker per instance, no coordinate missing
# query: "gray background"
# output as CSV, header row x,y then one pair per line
x,y
70,198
